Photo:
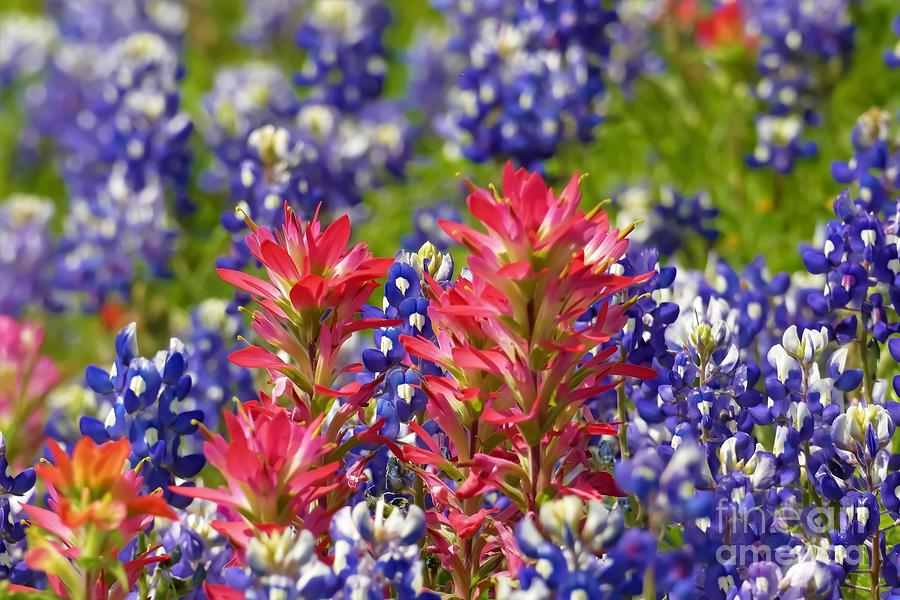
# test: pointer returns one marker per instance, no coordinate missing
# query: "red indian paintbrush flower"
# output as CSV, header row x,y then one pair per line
x,y
96,509
316,286
509,333
310,269
726,26
273,467
520,363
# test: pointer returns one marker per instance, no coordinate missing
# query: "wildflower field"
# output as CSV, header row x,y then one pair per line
x,y
449,299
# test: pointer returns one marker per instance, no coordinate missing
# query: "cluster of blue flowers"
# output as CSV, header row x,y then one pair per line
x,y
804,46
342,137
27,43
108,108
671,219
758,462
531,75
125,152
373,554
346,59
399,398
892,57
146,403
15,490
26,253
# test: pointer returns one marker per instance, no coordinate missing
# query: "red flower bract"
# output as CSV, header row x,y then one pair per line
x,y
520,363
310,269
271,464
316,286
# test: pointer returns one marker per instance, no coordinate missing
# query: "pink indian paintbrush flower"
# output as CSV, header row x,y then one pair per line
x,y
274,469
26,377
95,509
309,303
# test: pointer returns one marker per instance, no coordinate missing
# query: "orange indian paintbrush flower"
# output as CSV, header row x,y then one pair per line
x,y
91,487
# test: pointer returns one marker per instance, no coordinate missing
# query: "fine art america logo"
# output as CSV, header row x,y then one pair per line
x,y
756,535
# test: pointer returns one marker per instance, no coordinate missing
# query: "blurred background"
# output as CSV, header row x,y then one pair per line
x,y
132,130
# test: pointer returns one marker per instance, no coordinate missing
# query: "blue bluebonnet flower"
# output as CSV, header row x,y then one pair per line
x,y
64,83
532,76
892,57
875,164
216,380
123,154
803,45
404,298
581,550
324,156
858,261
197,552
779,143
379,552
283,564
105,21
708,383
14,491
346,58
677,218
108,236
426,228
243,99
25,45
398,396
267,21
144,399
26,253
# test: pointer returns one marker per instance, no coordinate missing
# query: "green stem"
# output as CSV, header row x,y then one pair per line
x,y
419,486
621,414
535,459
777,190
864,357
875,570
649,585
